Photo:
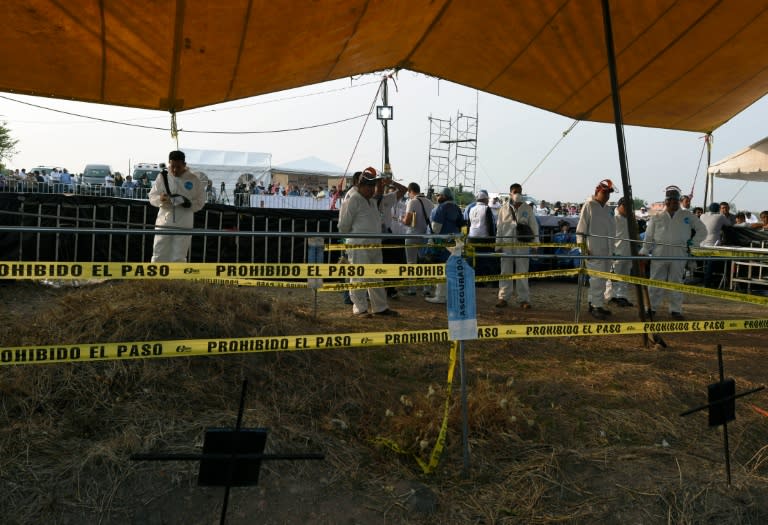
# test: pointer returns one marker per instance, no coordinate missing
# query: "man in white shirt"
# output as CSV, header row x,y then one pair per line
x,y
714,222
386,201
482,230
616,291
360,214
416,220
685,202
55,179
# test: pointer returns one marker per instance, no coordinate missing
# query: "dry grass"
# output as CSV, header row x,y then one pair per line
x,y
561,431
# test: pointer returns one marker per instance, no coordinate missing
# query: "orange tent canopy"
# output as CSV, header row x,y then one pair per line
x,y
682,64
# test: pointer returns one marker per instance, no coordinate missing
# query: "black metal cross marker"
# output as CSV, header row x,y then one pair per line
x,y
231,457
721,397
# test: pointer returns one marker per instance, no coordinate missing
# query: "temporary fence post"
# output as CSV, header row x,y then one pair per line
x,y
315,247
464,413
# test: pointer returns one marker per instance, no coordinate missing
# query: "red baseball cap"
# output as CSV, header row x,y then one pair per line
x,y
605,185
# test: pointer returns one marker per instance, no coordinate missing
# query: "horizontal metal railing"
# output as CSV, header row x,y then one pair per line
x,y
260,200
74,188
90,230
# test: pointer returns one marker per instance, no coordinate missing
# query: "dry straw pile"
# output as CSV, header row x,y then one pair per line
x,y
561,430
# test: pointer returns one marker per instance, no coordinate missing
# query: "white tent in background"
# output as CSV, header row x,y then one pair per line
x,y
749,164
228,166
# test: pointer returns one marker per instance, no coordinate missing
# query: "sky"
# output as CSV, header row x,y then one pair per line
x,y
513,139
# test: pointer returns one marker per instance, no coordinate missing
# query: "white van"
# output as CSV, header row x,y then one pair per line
x,y
146,172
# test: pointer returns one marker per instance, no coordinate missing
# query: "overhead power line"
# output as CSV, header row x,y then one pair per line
x,y
158,128
565,133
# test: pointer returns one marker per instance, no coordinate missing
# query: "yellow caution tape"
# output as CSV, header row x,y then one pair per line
x,y
421,282
87,352
340,287
345,247
528,275
686,288
266,274
254,282
434,457
728,254
225,271
470,247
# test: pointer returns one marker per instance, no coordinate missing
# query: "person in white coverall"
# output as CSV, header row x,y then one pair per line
x,y
515,212
616,291
360,214
179,193
596,227
669,235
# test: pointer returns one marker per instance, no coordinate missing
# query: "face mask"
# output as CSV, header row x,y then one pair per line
x,y
517,198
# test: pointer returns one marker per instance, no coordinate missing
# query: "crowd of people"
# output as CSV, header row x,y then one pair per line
x,y
258,187
374,205
507,226
59,180
44,181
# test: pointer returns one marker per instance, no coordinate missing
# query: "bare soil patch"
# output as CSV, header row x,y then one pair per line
x,y
566,430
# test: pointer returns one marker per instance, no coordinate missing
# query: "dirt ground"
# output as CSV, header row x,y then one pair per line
x,y
560,430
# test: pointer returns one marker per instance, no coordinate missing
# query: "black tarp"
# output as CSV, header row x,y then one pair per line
x,y
743,236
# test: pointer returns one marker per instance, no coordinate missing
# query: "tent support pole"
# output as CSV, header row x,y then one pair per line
x,y
708,180
618,120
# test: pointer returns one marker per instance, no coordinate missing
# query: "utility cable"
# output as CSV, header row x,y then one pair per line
x,y
312,126
698,167
362,129
158,128
283,99
550,151
733,199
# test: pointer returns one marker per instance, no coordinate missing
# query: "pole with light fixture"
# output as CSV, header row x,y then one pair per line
x,y
384,114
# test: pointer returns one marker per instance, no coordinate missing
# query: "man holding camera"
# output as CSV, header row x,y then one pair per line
x,y
178,193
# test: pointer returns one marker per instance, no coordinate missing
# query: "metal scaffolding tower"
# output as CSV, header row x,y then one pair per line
x,y
438,171
465,152
452,153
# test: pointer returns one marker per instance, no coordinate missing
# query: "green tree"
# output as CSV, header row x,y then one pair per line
x,y
7,143
638,203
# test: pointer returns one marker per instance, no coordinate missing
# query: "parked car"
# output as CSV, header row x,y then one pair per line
x,y
44,170
92,180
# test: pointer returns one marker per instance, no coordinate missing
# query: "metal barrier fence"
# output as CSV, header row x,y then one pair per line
x,y
142,193
86,221
75,188
287,202
72,214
